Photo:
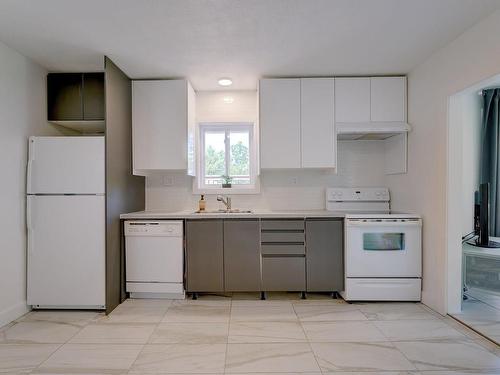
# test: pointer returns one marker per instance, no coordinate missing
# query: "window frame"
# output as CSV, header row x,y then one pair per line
x,y
199,186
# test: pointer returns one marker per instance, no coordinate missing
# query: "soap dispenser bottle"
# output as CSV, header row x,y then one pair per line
x,y
202,204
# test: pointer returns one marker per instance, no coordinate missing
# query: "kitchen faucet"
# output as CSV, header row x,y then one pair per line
x,y
225,200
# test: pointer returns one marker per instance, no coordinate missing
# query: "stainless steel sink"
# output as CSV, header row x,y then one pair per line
x,y
231,211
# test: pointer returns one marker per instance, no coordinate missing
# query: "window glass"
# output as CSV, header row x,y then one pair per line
x,y
239,168
383,241
215,160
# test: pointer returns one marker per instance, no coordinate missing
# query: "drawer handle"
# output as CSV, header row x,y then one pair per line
x,y
282,230
283,255
282,243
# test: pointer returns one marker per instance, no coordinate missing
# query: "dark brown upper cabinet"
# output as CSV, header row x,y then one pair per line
x,y
75,96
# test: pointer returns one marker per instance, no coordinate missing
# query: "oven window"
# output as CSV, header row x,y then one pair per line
x,y
383,241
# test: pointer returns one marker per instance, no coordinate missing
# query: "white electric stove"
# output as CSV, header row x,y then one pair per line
x,y
382,249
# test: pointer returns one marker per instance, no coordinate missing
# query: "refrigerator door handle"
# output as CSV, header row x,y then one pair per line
x,y
31,157
29,226
28,213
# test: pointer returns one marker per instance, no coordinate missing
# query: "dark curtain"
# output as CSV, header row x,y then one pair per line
x,y
490,158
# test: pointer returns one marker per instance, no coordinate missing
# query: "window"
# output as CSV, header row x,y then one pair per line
x,y
227,157
383,241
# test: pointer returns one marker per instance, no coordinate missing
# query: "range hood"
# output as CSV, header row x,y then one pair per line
x,y
370,130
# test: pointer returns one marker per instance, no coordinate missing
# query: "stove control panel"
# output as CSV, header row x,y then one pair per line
x,y
357,194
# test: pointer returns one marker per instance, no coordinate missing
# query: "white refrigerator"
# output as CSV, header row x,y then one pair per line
x,y
65,214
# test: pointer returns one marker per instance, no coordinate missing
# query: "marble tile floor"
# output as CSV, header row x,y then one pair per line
x,y
243,335
481,312
483,317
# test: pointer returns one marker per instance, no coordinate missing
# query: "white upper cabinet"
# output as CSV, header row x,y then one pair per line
x,y
388,99
162,125
318,138
279,105
363,100
352,99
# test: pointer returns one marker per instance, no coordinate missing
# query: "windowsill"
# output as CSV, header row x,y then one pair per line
x,y
255,189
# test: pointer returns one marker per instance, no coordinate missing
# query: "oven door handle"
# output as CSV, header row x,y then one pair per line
x,y
356,223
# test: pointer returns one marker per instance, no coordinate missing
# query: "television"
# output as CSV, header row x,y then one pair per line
x,y
481,218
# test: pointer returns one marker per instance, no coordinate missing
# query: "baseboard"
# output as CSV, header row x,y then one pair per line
x,y
12,313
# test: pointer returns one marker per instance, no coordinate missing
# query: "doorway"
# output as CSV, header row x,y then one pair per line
x,y
473,285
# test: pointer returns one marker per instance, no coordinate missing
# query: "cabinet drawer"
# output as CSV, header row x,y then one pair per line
x,y
282,249
282,224
286,237
283,274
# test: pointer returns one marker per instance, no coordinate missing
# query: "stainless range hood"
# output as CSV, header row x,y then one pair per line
x,y
370,130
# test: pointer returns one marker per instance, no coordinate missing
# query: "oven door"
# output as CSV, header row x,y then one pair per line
x,y
383,248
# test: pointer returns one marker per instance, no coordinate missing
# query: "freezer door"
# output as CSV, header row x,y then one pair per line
x,y
66,165
66,251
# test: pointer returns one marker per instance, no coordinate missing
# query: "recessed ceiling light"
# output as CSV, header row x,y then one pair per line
x,y
225,81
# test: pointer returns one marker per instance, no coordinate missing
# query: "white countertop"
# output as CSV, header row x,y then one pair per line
x,y
190,214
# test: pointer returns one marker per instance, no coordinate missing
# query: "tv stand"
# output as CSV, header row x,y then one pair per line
x,y
491,244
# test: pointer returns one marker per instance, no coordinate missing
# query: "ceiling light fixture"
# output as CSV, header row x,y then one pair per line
x,y
225,81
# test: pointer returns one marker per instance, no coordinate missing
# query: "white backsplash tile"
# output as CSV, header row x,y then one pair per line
x,y
360,163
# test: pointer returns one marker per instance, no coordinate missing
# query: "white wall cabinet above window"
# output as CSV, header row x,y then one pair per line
x,y
297,128
163,126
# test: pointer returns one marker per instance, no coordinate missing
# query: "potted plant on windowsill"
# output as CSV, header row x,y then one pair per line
x,y
226,181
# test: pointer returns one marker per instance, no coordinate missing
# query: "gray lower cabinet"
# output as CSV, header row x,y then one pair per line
x,y
324,249
242,255
283,274
283,255
205,255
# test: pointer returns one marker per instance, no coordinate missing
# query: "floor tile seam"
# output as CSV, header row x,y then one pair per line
x,y
157,325
422,339
472,330
310,345
227,337
117,343
50,356
446,368
406,357
136,357
76,333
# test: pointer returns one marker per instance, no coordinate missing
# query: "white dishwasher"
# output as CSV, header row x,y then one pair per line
x,y
154,259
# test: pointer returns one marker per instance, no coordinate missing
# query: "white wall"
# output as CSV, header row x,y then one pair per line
x,y
361,163
213,106
472,57
470,107
22,113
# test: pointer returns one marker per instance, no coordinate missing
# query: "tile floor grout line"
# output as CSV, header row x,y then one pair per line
x,y
307,340
144,345
60,346
227,337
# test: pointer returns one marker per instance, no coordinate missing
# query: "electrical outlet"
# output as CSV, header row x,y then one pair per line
x,y
168,181
295,180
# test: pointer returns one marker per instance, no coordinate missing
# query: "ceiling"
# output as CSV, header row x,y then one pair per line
x,y
242,39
